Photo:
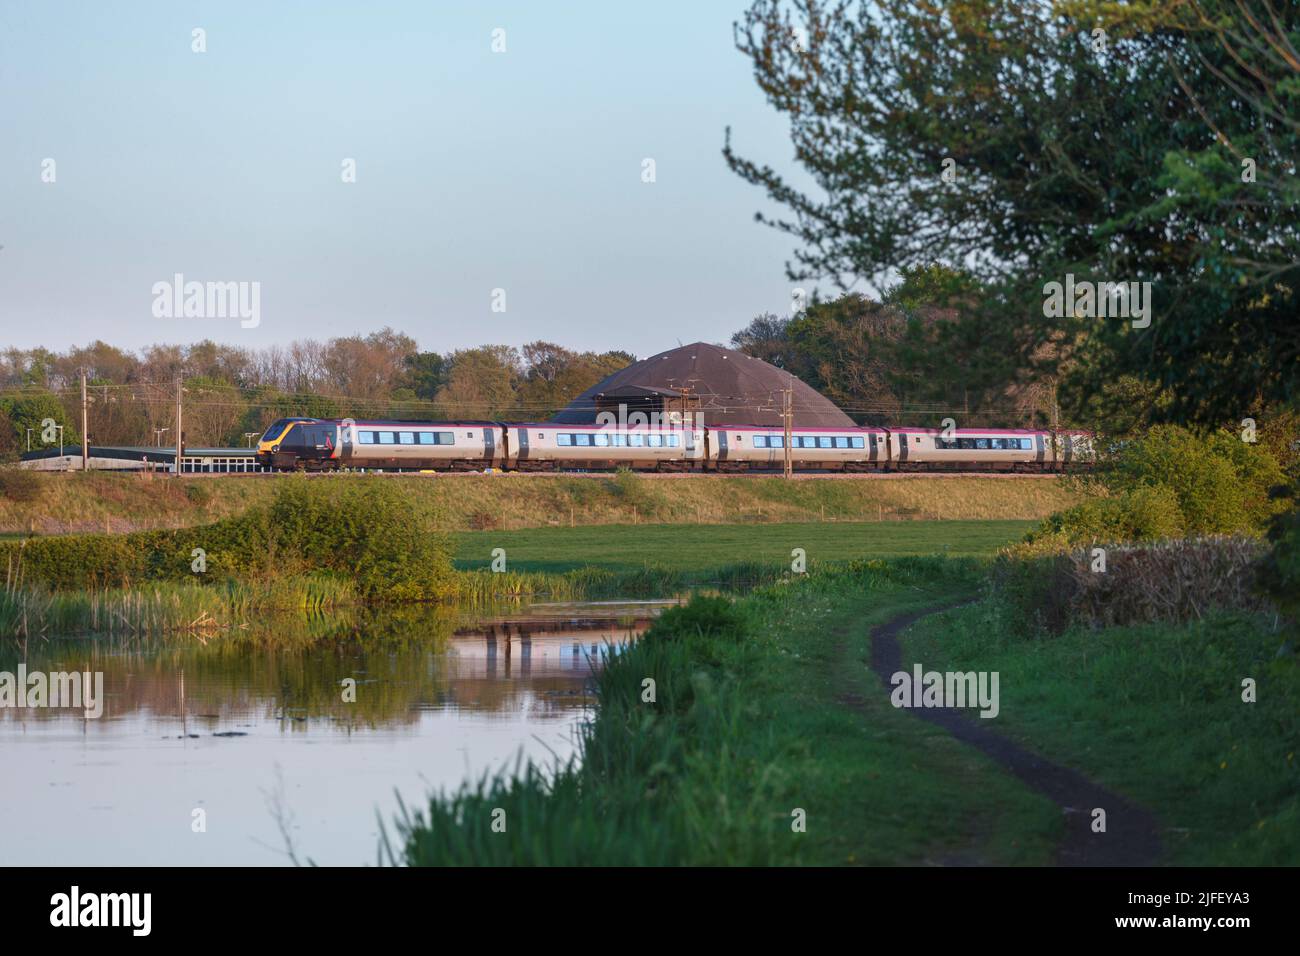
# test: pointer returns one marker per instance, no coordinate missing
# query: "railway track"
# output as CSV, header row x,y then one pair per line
x,y
658,476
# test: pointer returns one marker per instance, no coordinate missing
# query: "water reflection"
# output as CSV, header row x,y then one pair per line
x,y
439,697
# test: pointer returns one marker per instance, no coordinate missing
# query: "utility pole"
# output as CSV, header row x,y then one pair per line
x,y
85,427
179,434
787,414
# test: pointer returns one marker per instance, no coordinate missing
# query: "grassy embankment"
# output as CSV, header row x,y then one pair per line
x,y
100,502
766,706
749,725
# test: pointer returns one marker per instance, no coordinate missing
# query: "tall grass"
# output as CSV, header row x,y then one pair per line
x,y
164,607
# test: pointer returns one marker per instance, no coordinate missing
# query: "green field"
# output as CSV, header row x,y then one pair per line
x,y
703,547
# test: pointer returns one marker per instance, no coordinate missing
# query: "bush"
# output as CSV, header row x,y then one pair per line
x,y
1170,483
1221,482
1175,581
705,616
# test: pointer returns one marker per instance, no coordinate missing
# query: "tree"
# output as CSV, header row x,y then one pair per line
x,y
1004,136
767,338
426,373
32,411
554,376
482,382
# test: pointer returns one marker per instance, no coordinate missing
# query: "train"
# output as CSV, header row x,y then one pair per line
x,y
313,444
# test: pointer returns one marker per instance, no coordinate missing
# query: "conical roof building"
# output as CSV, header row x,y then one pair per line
x,y
726,386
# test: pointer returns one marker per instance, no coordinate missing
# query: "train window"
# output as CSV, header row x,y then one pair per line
x,y
654,441
841,441
674,440
601,440
564,439
858,442
386,438
469,434
541,434
365,438
944,444
428,438
581,439
775,441
760,441
406,438
620,441
981,443
824,441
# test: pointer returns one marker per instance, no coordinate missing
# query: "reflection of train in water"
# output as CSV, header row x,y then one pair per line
x,y
324,444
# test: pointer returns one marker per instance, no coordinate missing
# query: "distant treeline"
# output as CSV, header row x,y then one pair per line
x,y
232,391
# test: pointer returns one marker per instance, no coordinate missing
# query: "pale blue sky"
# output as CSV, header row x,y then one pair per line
x,y
475,171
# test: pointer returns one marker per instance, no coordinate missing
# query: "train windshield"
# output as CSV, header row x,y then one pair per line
x,y
276,428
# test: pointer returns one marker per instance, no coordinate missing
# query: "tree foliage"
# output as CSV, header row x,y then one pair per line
x,y
1107,156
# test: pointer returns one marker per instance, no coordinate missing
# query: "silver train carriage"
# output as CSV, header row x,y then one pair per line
x,y
539,446
751,447
317,444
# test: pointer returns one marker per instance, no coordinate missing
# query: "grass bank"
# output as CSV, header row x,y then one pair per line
x,y
107,503
767,741
1154,712
753,732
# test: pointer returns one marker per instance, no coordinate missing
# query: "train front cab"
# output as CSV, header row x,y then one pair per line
x,y
299,444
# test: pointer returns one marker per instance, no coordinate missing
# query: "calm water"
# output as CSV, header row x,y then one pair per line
x,y
257,735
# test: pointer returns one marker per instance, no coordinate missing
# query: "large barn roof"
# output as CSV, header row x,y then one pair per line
x,y
732,388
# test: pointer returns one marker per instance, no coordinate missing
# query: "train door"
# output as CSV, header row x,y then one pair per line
x,y
489,444
346,428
